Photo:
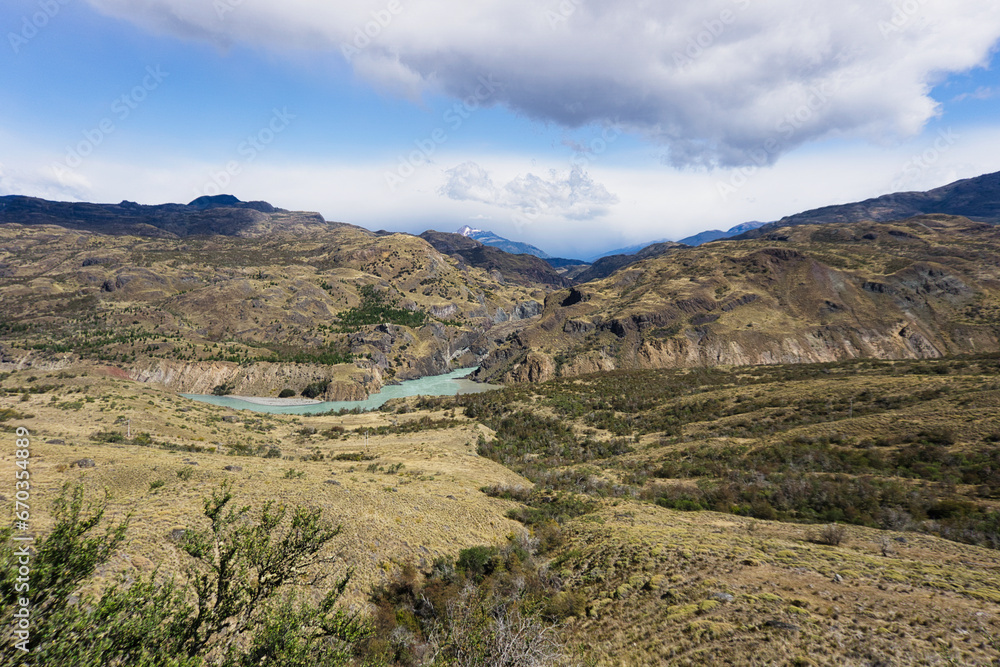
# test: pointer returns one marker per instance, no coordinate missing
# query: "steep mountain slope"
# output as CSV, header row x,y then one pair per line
x,y
974,198
924,287
496,241
605,266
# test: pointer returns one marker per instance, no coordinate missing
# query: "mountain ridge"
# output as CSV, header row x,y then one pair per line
x,y
717,234
920,288
220,214
976,198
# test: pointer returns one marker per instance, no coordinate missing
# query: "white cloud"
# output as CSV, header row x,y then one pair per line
x,y
43,181
718,82
649,206
569,194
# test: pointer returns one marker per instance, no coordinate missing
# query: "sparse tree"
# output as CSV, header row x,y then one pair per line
x,y
484,630
885,545
832,534
237,606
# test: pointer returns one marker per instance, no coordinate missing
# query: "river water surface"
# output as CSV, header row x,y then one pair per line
x,y
447,384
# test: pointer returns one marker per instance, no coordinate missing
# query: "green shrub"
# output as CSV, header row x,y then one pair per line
x,y
354,456
378,307
478,561
238,601
315,389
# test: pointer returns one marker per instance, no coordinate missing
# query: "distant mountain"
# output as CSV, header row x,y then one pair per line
x,y
219,215
975,198
716,234
491,239
520,268
562,262
627,250
605,266
568,268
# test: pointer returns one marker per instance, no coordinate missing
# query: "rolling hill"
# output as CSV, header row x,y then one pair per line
x,y
523,268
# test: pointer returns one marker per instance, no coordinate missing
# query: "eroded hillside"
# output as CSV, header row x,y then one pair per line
x,y
336,305
920,288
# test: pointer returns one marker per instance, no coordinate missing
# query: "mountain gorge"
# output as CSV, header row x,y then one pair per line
x,y
268,301
257,299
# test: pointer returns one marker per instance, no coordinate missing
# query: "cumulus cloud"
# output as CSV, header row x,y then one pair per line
x,y
571,194
717,82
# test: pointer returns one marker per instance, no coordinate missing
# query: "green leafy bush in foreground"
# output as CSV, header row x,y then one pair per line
x,y
240,599
236,604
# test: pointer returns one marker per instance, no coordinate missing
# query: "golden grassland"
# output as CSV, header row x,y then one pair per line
x,y
662,586
703,588
431,506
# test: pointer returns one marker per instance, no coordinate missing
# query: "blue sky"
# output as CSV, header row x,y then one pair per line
x,y
576,125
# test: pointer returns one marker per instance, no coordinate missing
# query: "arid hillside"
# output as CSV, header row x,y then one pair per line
x,y
920,288
831,514
333,304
